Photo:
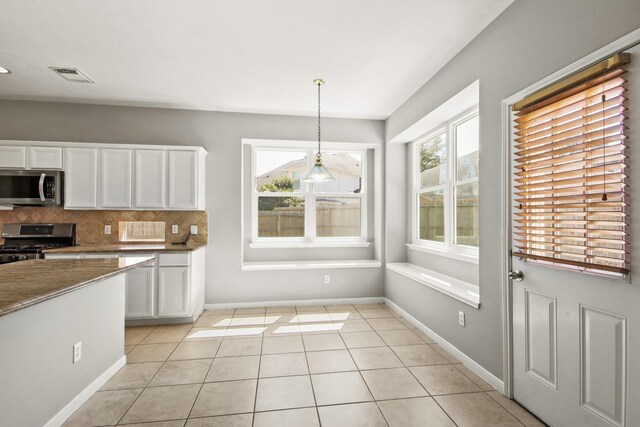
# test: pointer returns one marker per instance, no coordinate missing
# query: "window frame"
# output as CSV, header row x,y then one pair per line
x,y
449,186
307,192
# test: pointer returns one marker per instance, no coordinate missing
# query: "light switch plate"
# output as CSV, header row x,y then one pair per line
x,y
193,229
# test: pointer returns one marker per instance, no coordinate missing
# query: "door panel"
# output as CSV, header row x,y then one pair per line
x,y
541,356
602,358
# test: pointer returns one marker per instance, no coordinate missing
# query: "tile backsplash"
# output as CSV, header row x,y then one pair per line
x,y
90,224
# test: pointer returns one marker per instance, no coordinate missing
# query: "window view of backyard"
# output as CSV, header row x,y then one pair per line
x,y
444,182
284,201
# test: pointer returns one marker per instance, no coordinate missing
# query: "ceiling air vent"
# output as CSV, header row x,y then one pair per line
x,y
72,74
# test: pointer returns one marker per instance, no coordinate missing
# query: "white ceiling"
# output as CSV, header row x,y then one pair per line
x,y
235,55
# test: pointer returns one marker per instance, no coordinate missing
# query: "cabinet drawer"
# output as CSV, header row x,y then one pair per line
x,y
173,259
45,157
13,157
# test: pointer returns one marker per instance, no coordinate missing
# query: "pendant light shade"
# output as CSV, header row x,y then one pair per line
x,y
319,173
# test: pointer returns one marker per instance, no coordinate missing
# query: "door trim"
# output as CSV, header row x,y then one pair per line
x,y
618,45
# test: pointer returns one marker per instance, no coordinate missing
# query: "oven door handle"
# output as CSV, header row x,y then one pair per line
x,y
41,186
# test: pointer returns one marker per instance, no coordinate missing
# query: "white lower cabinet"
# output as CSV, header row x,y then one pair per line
x,y
170,290
173,291
140,285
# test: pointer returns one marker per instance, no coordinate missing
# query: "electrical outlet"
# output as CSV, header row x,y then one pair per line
x,y
193,229
461,318
174,229
77,352
107,229
327,279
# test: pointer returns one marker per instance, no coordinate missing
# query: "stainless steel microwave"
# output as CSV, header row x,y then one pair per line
x,y
31,187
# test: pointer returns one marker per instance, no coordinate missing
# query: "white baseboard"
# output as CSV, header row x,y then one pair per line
x,y
85,394
495,382
331,301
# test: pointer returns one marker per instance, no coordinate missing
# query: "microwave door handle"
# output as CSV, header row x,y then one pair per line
x,y
41,186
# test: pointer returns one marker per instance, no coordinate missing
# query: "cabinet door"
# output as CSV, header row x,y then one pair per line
x,y
81,178
149,178
183,179
45,157
139,297
173,291
13,157
116,178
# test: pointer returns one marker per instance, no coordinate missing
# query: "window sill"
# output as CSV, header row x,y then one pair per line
x,y
286,245
465,292
473,259
309,265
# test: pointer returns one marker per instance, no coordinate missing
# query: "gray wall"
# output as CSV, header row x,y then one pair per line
x,y
221,135
38,377
529,41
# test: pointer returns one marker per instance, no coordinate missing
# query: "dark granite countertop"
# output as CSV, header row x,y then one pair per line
x,y
131,247
26,283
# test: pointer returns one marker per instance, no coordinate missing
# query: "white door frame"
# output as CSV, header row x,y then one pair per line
x,y
619,45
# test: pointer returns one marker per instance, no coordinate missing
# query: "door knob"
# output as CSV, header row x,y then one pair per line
x,y
516,275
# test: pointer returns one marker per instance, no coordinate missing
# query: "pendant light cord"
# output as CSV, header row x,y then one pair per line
x,y
319,155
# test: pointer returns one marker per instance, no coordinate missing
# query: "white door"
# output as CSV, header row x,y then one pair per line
x,y
81,178
576,336
173,291
150,178
183,179
139,295
116,178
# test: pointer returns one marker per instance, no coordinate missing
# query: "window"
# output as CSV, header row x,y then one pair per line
x,y
446,186
286,209
570,184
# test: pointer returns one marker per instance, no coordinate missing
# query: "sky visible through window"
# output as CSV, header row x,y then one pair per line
x,y
270,160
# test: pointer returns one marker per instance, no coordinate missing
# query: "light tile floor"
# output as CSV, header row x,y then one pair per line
x,y
346,366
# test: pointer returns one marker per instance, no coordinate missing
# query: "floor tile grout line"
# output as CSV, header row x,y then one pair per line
x,y
507,409
419,382
313,390
255,397
203,380
365,383
146,385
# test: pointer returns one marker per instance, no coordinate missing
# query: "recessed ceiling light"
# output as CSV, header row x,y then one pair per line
x,y
4,70
72,74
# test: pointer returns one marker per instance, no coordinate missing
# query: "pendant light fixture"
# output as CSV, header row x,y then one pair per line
x,y
319,173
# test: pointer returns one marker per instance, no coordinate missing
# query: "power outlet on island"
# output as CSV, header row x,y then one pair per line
x,y
461,318
77,352
193,229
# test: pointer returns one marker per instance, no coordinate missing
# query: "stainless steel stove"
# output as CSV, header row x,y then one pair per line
x,y
27,241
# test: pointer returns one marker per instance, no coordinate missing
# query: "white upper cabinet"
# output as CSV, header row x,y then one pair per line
x,y
150,177
81,178
13,157
183,179
45,157
115,178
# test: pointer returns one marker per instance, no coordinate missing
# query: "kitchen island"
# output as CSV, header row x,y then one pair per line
x,y
47,308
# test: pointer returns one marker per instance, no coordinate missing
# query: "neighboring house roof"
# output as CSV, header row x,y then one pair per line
x,y
339,163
